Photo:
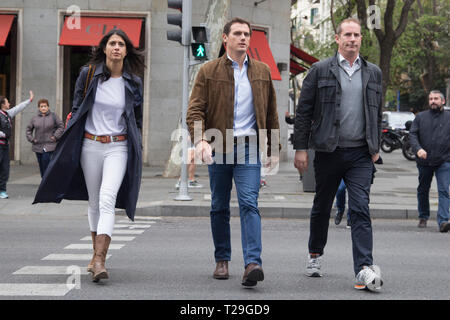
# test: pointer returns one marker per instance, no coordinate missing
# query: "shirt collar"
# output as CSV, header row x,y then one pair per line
x,y
234,62
342,60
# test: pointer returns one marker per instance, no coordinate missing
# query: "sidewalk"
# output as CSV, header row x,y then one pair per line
x,y
393,194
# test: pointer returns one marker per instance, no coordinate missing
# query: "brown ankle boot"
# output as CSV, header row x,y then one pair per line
x,y
91,264
101,249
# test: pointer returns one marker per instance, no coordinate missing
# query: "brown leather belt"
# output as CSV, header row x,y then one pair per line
x,y
105,139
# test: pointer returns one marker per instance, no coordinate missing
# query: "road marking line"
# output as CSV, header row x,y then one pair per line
x,y
35,289
113,239
279,198
147,218
128,232
49,270
135,222
80,257
84,246
207,197
132,226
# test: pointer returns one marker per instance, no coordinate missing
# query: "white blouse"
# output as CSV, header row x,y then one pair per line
x,y
106,115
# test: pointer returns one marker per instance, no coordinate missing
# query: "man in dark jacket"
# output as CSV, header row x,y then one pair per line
x,y
429,137
339,115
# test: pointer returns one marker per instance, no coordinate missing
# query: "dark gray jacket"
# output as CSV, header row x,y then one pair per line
x,y
317,119
41,129
431,131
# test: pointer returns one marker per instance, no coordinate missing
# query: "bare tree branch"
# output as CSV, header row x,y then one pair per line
x,y
403,18
332,16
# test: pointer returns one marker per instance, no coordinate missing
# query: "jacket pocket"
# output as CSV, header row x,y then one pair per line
x,y
373,94
327,90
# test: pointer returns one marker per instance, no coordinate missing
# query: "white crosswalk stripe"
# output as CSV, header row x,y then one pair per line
x,y
48,270
35,289
132,226
113,239
65,257
128,232
85,246
136,222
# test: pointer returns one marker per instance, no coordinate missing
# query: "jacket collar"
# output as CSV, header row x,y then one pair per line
x,y
99,70
334,67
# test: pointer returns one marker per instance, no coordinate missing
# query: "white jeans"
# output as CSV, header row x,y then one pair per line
x,y
104,166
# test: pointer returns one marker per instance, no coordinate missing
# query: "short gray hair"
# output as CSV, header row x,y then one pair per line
x,y
437,92
355,20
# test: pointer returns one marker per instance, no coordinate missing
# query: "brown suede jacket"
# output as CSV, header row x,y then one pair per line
x,y
212,100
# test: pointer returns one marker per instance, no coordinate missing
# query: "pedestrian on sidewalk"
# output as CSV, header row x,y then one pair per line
x,y
43,131
339,115
340,204
98,157
430,141
192,166
236,82
6,115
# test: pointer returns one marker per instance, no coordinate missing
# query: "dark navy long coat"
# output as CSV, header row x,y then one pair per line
x,y
64,177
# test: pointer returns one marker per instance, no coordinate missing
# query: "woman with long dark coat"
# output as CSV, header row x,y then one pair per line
x,y
99,158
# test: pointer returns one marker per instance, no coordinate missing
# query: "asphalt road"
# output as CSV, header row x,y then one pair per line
x,y
171,258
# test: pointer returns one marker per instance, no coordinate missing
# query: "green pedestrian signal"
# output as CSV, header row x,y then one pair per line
x,y
198,51
200,36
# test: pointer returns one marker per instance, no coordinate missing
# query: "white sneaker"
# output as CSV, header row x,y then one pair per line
x,y
314,266
369,278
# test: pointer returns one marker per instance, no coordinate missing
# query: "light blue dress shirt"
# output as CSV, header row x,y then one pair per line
x,y
350,70
244,111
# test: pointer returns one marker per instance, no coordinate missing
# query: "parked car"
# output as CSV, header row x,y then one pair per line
x,y
396,120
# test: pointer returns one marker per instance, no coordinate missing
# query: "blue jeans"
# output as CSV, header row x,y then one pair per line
x,y
442,174
247,179
43,160
355,166
340,198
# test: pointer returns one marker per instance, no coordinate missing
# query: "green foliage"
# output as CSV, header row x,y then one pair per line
x,y
424,46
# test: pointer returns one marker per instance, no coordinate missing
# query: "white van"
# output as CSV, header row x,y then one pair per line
x,y
396,120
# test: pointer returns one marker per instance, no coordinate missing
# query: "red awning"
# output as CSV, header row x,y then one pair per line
x,y
259,49
302,55
295,68
6,21
94,28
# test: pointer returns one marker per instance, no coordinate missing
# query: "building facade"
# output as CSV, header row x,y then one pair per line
x,y
36,56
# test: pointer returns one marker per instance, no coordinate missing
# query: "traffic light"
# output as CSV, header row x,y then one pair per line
x,y
181,19
199,46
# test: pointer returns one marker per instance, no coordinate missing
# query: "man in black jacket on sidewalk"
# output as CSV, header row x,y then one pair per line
x,y
430,141
339,116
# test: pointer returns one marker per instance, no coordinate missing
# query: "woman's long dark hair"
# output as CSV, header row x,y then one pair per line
x,y
133,62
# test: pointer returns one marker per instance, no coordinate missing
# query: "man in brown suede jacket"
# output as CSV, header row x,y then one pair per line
x,y
233,110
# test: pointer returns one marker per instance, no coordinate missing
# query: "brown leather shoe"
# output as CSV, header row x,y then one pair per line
x,y
422,223
90,266
221,271
101,249
444,227
253,273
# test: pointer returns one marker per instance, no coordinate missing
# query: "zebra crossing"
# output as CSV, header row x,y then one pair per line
x,y
73,262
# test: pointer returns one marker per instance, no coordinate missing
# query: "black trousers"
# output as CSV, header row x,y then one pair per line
x,y
355,166
4,167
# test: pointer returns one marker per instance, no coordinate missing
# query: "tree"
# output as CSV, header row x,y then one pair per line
x,y
388,37
422,54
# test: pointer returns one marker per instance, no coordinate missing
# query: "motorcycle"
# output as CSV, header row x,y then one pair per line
x,y
407,151
391,139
